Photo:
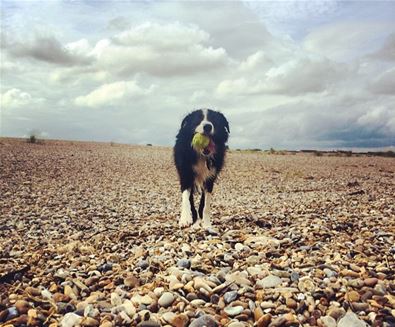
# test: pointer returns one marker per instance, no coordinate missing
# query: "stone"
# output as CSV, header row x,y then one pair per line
x,y
291,303
350,319
184,263
129,308
336,313
22,306
115,299
89,322
205,320
180,320
264,321
166,299
353,296
269,282
230,296
70,320
306,285
294,276
131,281
370,282
328,321
234,311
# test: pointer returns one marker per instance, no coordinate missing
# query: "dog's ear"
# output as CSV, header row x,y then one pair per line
x,y
225,123
186,122
227,126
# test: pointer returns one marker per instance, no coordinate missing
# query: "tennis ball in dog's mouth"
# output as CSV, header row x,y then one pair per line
x,y
200,141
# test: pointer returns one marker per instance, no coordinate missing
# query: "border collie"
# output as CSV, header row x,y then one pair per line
x,y
198,169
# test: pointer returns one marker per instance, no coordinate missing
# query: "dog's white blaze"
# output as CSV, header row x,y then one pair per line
x,y
202,172
199,128
206,211
186,213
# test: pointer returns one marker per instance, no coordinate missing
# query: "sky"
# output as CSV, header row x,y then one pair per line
x,y
287,74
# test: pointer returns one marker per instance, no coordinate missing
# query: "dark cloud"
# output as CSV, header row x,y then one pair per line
x,y
47,49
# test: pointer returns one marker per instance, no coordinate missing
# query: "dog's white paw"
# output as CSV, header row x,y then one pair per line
x,y
185,219
197,224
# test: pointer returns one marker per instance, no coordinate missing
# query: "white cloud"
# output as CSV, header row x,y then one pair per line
x,y
161,50
16,98
109,94
294,77
345,40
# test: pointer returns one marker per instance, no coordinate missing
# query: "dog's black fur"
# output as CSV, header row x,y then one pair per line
x,y
185,156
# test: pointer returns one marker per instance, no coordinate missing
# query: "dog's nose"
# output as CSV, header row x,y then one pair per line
x,y
207,128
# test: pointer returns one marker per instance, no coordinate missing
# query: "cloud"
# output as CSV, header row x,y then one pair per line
x,y
384,83
345,40
50,50
109,94
294,77
16,98
160,50
387,51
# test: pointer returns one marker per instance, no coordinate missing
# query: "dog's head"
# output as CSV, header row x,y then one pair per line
x,y
211,123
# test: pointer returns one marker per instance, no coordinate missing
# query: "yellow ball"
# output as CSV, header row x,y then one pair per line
x,y
200,141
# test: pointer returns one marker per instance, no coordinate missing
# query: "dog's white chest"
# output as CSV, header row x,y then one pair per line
x,y
202,172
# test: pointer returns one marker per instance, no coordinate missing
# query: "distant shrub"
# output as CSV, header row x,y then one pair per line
x,y
318,153
32,139
272,151
149,144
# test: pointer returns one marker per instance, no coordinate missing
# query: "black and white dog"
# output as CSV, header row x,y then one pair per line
x,y
198,169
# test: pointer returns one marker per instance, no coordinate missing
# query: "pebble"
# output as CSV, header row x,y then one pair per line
x,y
350,319
205,320
143,264
89,322
370,282
166,299
70,320
22,306
236,324
291,303
131,281
306,285
328,321
234,311
115,299
269,282
294,276
184,263
353,296
230,296
336,313
264,321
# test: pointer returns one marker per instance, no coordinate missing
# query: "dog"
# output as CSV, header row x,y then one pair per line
x,y
198,169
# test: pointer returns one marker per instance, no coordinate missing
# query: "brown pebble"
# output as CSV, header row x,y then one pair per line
x,y
59,297
353,296
360,306
89,322
179,320
258,313
291,303
22,306
336,313
131,281
264,321
370,281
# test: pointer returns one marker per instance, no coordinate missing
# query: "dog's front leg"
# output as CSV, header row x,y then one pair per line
x,y
206,221
186,218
